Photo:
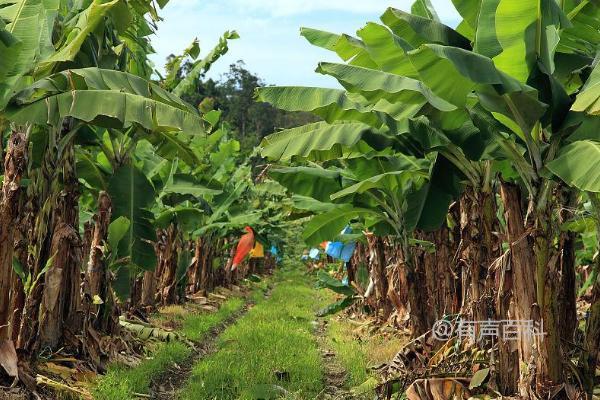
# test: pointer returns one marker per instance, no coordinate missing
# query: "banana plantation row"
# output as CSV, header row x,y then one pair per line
x,y
117,196
467,156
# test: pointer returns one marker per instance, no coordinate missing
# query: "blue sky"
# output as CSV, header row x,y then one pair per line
x,y
270,43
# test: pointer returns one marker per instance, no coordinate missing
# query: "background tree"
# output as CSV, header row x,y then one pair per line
x,y
234,95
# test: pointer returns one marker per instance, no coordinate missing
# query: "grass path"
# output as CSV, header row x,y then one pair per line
x,y
167,384
270,352
335,375
164,370
262,347
357,348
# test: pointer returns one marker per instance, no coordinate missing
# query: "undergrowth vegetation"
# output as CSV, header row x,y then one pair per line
x,y
122,382
271,350
195,327
358,350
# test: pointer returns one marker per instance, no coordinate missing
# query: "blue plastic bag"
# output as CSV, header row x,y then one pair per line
x,y
347,251
314,254
334,249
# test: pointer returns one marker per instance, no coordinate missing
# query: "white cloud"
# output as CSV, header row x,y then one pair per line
x,y
286,8
280,8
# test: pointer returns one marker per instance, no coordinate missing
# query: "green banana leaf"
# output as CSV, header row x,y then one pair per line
x,y
486,42
21,41
348,48
188,218
187,184
578,164
424,8
395,182
330,104
107,109
311,204
376,85
387,50
174,145
469,10
325,281
336,307
527,30
86,22
588,100
202,66
361,168
88,170
117,230
106,98
582,37
328,225
308,140
131,194
418,30
315,182
99,79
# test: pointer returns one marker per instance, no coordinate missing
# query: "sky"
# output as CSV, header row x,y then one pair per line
x,y
270,43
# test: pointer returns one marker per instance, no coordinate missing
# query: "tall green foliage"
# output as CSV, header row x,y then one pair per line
x,y
510,93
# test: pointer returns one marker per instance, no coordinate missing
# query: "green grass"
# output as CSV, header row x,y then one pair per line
x,y
275,335
196,326
121,382
350,352
260,288
357,349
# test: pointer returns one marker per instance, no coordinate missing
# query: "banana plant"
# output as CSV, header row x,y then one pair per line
x,y
516,82
198,67
325,281
138,109
63,87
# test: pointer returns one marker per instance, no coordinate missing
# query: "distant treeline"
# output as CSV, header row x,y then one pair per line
x,y
233,94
